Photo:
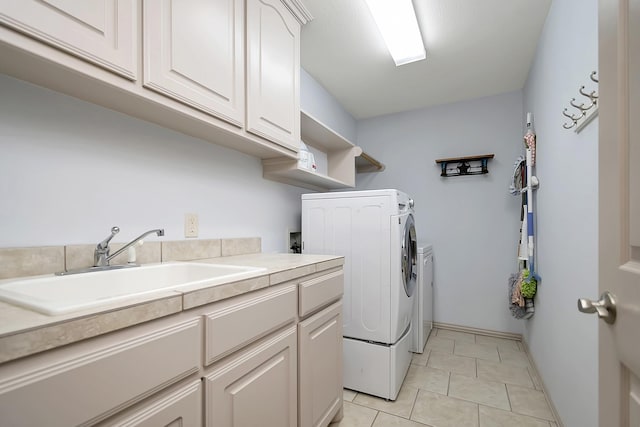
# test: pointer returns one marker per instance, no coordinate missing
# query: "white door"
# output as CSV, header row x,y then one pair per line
x,y
619,201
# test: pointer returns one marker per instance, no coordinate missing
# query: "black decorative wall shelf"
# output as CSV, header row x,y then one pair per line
x,y
469,165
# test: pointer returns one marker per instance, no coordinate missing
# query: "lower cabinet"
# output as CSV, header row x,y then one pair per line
x,y
320,367
271,357
256,386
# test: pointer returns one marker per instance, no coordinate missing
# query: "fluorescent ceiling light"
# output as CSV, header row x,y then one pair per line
x,y
398,25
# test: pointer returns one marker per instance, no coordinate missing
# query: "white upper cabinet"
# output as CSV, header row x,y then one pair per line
x,y
273,72
193,53
226,71
100,31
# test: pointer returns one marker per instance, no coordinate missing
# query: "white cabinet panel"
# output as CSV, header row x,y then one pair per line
x,y
320,360
99,31
320,291
180,408
89,386
273,307
194,54
273,72
257,387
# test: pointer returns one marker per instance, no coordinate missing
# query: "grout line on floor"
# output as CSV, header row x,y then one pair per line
x,y
414,403
374,418
521,347
506,389
533,381
448,383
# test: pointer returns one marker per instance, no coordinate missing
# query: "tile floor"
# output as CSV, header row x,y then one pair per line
x,y
460,380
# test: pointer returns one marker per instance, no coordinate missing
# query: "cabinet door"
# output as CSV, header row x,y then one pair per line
x,y
256,387
193,52
99,31
320,362
273,72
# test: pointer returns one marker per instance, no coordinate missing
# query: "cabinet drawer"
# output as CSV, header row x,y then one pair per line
x,y
92,385
182,407
320,291
240,321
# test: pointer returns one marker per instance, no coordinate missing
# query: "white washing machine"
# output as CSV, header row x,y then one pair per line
x,y
422,322
374,230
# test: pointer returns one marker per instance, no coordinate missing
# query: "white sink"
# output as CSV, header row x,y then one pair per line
x,y
54,295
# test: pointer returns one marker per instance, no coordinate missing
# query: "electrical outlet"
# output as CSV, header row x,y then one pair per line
x,y
191,225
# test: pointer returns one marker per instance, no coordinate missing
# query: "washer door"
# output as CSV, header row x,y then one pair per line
x,y
409,256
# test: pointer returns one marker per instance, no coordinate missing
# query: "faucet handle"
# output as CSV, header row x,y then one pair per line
x,y
105,243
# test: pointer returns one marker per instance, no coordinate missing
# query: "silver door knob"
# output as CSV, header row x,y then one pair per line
x,y
605,307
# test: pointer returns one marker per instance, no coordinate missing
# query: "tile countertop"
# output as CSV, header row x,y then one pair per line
x,y
24,332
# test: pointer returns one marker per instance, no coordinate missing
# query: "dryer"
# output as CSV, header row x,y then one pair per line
x,y
375,232
422,322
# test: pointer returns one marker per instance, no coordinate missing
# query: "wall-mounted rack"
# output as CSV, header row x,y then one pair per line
x,y
468,165
585,113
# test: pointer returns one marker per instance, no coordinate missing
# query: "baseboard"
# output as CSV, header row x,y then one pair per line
x,y
554,411
478,331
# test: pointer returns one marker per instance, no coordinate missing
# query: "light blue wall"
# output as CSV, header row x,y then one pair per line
x,y
70,170
563,342
472,221
315,100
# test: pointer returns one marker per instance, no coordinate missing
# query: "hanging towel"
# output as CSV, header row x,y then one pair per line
x,y
516,294
530,142
517,179
516,311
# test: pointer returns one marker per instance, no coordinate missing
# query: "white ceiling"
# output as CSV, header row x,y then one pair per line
x,y
475,48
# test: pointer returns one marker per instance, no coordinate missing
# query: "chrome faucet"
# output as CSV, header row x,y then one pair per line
x,y
101,256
